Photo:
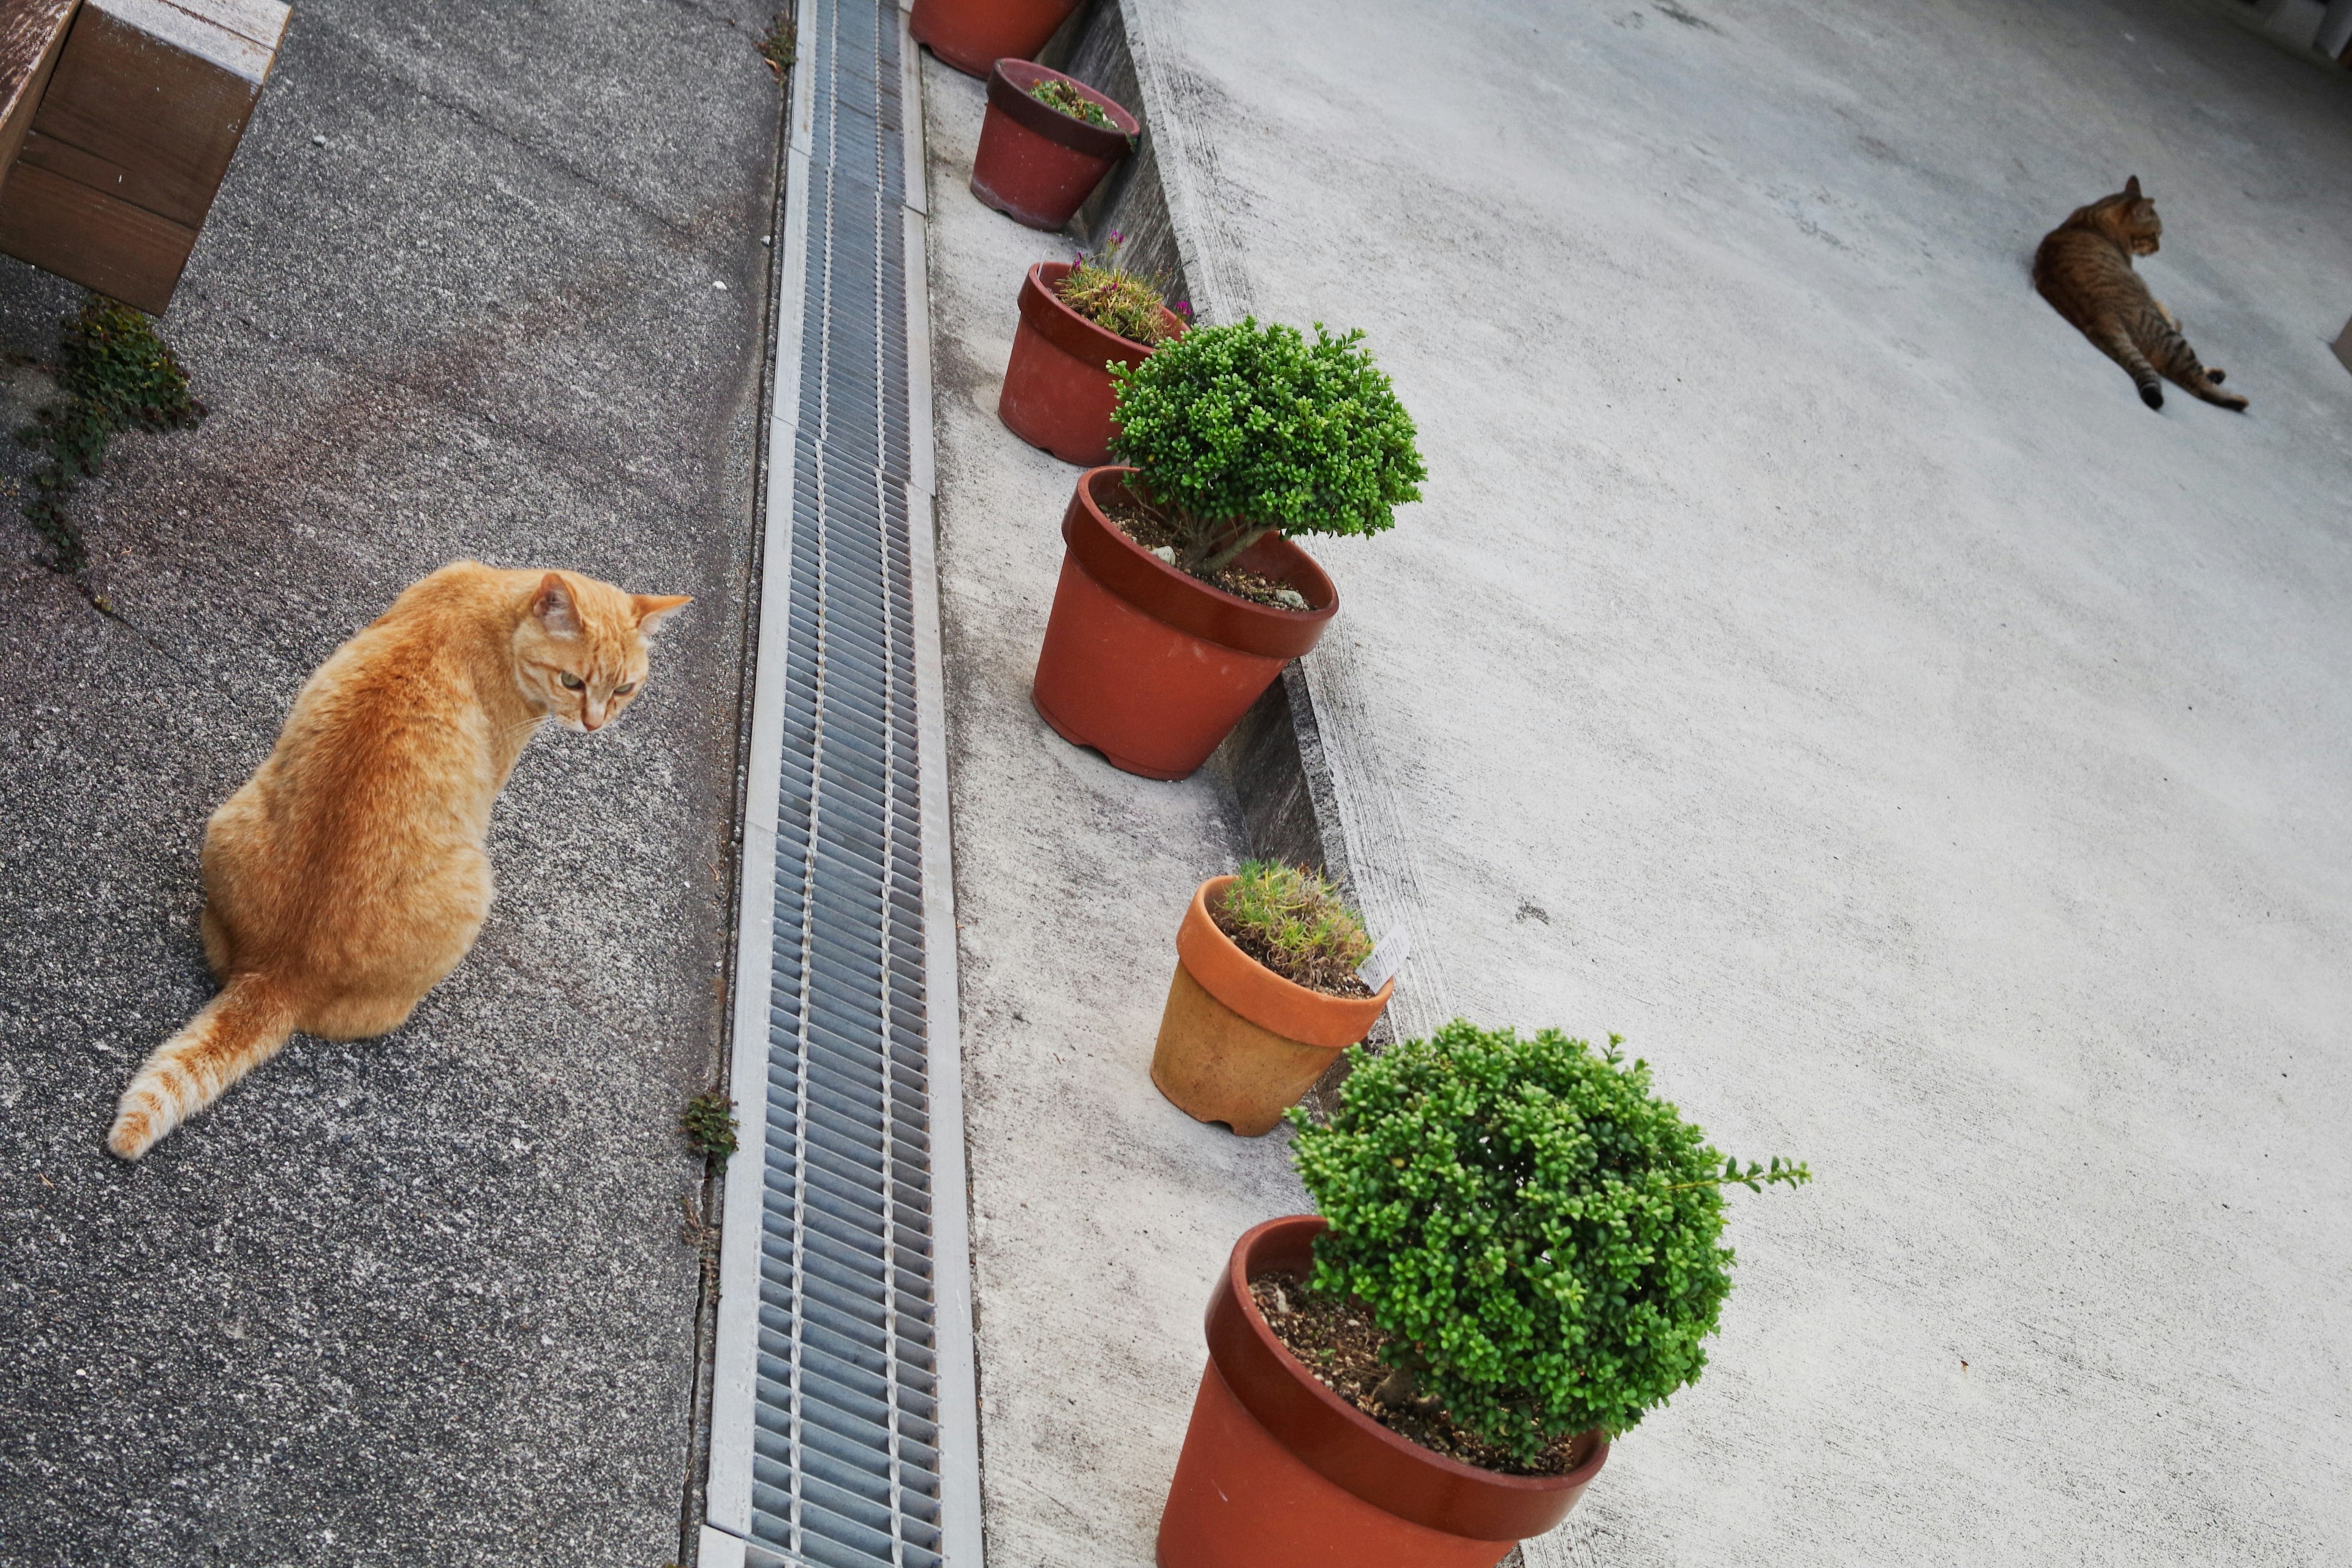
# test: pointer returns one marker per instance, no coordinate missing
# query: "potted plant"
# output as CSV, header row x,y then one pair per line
x,y
1518,1258
1045,143
973,34
1078,319
1181,596
1266,995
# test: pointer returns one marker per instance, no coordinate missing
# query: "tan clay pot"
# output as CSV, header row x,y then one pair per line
x,y
1238,1043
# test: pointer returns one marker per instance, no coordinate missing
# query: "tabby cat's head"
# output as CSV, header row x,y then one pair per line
x,y
2127,217
580,647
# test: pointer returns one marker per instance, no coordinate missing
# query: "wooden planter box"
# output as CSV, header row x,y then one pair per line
x,y
122,150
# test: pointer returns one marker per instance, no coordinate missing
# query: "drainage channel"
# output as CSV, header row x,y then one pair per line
x,y
843,1428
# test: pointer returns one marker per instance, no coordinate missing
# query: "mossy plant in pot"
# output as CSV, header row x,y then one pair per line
x,y
1183,596
1078,320
1266,995
1519,1256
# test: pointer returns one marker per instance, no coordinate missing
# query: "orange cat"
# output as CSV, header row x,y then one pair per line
x,y
346,877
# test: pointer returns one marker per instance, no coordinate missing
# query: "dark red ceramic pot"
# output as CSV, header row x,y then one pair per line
x,y
1038,166
1276,1469
1057,388
1151,666
973,34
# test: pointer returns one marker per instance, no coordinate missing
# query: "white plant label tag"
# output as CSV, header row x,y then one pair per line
x,y
1388,956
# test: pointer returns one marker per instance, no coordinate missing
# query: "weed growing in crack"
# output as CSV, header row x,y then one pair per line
x,y
701,1235
709,1124
116,376
780,46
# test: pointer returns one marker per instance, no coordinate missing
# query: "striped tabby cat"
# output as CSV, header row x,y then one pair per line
x,y
2085,270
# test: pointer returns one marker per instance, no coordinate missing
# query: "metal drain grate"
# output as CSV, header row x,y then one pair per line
x,y
843,1433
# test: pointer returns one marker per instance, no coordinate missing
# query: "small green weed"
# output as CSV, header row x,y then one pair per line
x,y
709,1124
1061,95
1295,923
117,375
1117,301
780,46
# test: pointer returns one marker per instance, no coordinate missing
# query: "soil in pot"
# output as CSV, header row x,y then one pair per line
x,y
1155,531
1339,1345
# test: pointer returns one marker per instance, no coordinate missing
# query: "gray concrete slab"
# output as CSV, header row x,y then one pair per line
x,y
1100,1210
422,1300
1812,661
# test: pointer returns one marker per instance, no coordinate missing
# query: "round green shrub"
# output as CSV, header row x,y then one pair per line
x,y
1537,1230
1254,428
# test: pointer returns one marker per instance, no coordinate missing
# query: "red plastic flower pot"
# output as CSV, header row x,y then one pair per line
x,y
1036,165
1276,1469
1151,666
973,34
1057,389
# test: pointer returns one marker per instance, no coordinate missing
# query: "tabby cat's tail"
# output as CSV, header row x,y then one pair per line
x,y
237,1031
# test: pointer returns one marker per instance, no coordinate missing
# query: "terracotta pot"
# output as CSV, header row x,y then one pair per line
x,y
1278,1470
1057,387
1238,1043
1148,665
973,34
1038,166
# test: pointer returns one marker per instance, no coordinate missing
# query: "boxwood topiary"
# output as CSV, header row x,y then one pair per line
x,y
1535,1229
1244,430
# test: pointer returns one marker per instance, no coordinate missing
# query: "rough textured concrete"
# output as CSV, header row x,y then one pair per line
x,y
1812,660
421,1301
1099,1210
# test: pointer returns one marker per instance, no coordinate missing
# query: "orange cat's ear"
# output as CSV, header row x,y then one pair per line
x,y
554,607
652,610
2131,187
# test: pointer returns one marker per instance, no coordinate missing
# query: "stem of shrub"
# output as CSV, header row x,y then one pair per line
x,y
1396,1389
1218,560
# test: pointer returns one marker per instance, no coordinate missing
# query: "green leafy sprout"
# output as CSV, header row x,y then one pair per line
x,y
116,376
709,1124
1244,431
1056,94
1295,923
1535,1229
780,44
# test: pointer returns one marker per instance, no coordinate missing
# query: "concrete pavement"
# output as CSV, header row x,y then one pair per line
x,y
1811,661
478,283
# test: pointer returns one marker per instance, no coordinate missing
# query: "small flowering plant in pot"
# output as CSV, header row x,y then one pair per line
x,y
1518,1258
1181,596
1045,143
1266,995
1077,320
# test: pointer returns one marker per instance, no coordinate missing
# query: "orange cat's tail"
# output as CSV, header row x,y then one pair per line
x,y
237,1031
